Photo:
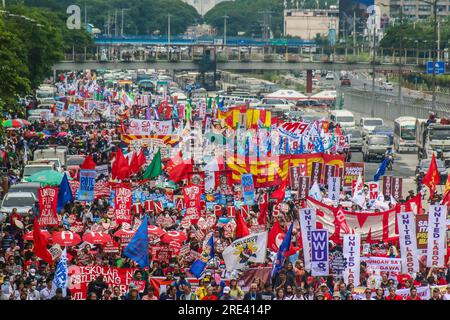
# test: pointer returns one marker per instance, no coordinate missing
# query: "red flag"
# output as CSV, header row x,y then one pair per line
x,y
141,158
281,191
263,209
176,160
241,226
180,171
88,164
446,197
134,166
338,131
417,200
431,179
40,244
120,168
275,233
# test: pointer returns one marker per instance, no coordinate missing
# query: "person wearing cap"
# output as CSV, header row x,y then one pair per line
x,y
226,294
133,292
209,294
319,296
325,291
337,295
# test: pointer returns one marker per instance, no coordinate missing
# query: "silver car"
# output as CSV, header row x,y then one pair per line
x,y
22,201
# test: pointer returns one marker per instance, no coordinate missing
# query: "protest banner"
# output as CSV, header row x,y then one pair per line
x,y
436,247
192,200
397,187
102,171
307,218
351,172
408,244
380,225
373,190
422,292
294,174
80,276
48,199
330,171
392,266
87,185
351,250
248,189
334,189
338,264
316,172
422,233
147,127
244,250
319,253
122,205
303,183
387,186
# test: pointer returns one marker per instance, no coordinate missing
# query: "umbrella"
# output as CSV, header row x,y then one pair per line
x,y
157,231
123,233
97,237
173,236
15,123
29,235
47,177
66,238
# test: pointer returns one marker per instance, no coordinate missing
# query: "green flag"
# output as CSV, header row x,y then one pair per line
x,y
188,110
155,168
209,105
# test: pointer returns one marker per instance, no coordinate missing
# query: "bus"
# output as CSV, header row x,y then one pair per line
x,y
405,134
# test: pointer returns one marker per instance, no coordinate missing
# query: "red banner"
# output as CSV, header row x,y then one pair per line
x,y
303,187
380,225
48,200
387,186
396,184
80,276
122,205
351,172
192,201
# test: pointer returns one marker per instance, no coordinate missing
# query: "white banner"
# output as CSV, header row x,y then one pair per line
x,y
351,248
423,292
244,250
408,242
334,184
148,127
392,266
437,219
307,218
319,253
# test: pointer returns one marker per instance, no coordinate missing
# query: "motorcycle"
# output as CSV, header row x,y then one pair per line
x,y
390,157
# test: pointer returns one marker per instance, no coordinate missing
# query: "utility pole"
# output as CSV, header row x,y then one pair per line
x,y
4,3
400,53
168,29
116,32
85,15
121,30
354,31
372,110
225,17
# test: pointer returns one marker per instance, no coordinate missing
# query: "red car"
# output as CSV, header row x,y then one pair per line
x,y
346,82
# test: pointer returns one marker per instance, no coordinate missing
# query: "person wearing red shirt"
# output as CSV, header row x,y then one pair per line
x,y
326,292
209,294
393,295
413,294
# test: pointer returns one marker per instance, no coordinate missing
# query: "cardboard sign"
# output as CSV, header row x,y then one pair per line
x,y
351,173
422,233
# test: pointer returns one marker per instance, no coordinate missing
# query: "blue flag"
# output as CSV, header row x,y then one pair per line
x,y
286,141
247,146
281,254
137,249
269,146
61,279
381,170
200,264
64,194
301,147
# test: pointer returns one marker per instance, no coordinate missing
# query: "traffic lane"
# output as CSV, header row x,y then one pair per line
x,y
404,166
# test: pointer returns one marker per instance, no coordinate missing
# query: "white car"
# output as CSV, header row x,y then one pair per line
x,y
329,76
387,86
22,201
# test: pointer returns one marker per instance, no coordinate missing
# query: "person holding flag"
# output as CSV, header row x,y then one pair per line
x,y
431,178
282,253
207,254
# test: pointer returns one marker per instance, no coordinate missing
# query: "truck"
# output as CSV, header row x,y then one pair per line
x,y
433,138
51,153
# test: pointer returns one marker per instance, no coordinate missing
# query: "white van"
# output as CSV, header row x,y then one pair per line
x,y
344,117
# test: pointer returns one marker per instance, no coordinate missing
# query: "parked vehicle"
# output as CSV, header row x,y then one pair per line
x,y
22,201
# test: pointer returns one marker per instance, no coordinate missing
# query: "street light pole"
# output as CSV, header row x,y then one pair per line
x,y
400,53
225,17
168,29
436,46
372,111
